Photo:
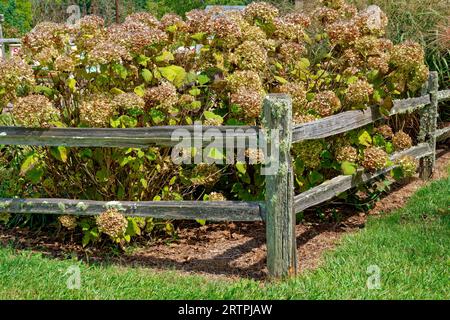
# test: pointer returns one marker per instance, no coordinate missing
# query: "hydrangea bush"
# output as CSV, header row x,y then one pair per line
x,y
212,66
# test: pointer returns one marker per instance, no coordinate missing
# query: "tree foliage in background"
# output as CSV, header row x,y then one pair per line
x,y
18,17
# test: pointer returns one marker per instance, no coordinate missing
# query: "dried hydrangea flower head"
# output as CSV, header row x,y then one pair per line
x,y
408,165
343,32
14,73
68,222
112,223
249,100
261,11
297,91
374,159
325,16
385,131
290,52
128,101
34,111
88,31
244,78
108,52
97,110
303,118
286,30
401,141
163,96
407,55
325,103
216,196
298,18
198,21
171,20
359,93
347,153
46,35
145,18
309,152
250,56
65,63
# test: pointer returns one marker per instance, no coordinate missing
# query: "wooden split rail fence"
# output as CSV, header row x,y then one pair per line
x,y
281,205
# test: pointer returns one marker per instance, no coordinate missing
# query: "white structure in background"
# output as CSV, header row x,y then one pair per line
x,y
374,17
14,49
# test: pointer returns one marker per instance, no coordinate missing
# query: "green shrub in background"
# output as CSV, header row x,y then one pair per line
x,y
145,72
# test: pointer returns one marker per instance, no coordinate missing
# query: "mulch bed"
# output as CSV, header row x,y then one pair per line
x,y
230,250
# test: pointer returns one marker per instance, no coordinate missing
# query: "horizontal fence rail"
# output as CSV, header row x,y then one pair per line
x,y
167,136
442,134
350,120
170,210
332,188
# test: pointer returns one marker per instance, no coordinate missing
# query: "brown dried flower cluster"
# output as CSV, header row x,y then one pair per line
x,y
347,153
217,196
261,11
408,165
385,131
112,223
359,93
107,52
96,111
13,74
34,111
127,101
374,159
309,152
163,96
255,156
246,78
401,141
325,103
249,100
297,92
68,222
250,56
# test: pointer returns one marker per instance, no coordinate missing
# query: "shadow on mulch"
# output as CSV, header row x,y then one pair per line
x,y
230,250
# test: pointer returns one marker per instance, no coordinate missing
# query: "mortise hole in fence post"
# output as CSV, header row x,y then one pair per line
x,y
428,127
280,216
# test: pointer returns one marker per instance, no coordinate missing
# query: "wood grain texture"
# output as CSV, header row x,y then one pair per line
x,y
336,186
280,216
443,95
126,138
168,210
428,127
350,120
442,134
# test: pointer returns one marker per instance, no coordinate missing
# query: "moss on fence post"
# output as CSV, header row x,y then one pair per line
x,y
428,127
280,217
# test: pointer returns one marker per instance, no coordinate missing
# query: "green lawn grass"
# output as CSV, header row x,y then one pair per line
x,y
411,248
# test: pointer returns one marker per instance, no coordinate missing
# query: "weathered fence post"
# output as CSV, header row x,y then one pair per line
x,y
280,216
428,127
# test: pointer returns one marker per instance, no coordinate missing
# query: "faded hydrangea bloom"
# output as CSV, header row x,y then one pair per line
x,y
246,78
358,93
309,152
374,159
34,111
249,100
401,141
297,91
385,131
106,52
112,223
216,196
343,32
163,96
347,153
13,74
290,52
250,56
127,101
408,165
303,118
145,18
261,11
325,103
68,222
96,111
255,156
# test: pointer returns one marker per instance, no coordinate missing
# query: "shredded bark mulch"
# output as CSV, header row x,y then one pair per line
x,y
230,250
